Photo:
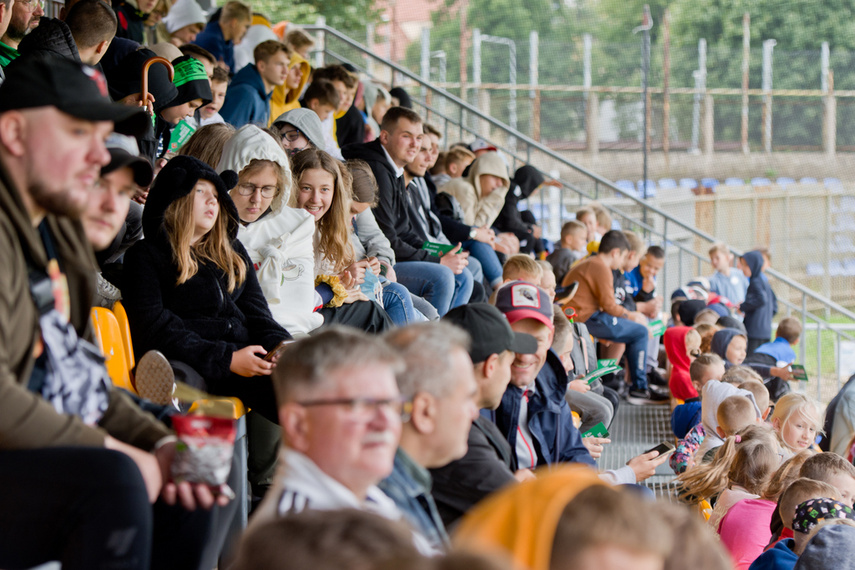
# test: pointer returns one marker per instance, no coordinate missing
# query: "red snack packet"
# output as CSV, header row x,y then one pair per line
x,y
204,450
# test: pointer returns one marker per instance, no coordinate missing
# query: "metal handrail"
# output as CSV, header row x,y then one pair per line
x,y
520,137
671,225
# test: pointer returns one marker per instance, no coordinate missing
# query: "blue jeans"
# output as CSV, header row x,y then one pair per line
x,y
603,325
399,304
435,282
489,260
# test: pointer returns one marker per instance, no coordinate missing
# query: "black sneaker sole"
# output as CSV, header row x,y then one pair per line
x,y
636,401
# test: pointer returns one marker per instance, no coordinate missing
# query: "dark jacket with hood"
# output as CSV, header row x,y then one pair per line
x,y
212,39
123,64
392,210
760,303
525,181
52,35
27,421
350,127
131,21
198,322
247,100
556,439
720,341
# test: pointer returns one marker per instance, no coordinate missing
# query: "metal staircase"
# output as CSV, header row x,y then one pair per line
x,y
666,219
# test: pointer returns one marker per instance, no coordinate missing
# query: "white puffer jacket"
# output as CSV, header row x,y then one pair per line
x,y
280,243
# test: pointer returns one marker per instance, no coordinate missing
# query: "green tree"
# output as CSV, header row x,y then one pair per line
x,y
347,16
799,28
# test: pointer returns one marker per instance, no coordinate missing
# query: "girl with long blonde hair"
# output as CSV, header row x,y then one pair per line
x,y
190,291
741,469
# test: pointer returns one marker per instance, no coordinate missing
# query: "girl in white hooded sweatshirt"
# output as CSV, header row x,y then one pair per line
x,y
279,239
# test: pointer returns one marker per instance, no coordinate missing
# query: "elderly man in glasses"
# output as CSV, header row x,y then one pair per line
x,y
340,412
439,382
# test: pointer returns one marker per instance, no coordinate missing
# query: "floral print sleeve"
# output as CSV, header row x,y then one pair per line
x,y
681,458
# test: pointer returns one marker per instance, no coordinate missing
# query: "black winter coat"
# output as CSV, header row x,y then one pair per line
x,y
198,322
52,35
392,210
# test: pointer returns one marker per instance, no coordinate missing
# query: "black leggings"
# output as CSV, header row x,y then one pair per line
x,y
88,508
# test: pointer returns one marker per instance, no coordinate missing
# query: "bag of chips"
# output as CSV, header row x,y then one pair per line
x,y
204,450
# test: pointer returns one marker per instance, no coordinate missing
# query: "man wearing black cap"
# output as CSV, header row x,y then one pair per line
x,y
489,464
75,500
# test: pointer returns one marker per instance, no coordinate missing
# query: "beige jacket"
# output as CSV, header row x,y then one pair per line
x,y
480,210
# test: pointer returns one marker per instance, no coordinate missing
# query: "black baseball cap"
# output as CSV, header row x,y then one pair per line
x,y
490,331
46,80
124,152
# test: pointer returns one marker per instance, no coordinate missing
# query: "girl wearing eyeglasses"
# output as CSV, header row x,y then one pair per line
x,y
280,239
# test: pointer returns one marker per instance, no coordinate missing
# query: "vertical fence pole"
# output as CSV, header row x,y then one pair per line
x,y
534,79
464,48
700,77
666,85
768,46
746,54
369,43
425,60
586,63
322,43
645,79
512,103
824,63
476,66
829,140
591,144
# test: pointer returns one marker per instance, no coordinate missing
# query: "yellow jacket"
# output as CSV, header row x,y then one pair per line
x,y
284,99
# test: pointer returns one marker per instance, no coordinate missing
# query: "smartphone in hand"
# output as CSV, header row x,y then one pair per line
x,y
663,448
280,348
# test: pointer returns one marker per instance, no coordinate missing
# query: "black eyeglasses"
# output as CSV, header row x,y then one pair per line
x,y
291,136
248,189
366,408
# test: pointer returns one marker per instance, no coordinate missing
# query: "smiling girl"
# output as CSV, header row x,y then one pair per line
x,y
322,187
797,421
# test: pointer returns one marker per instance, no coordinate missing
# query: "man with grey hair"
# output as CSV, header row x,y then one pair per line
x,y
340,413
438,379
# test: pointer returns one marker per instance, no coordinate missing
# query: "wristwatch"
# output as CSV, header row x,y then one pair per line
x,y
473,233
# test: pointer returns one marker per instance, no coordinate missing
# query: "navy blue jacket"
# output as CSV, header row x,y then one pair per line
x,y
760,303
247,100
556,439
685,417
211,38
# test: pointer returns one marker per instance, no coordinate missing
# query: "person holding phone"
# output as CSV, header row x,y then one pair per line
x,y
190,289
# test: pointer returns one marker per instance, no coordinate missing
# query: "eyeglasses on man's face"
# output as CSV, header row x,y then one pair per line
x,y
367,408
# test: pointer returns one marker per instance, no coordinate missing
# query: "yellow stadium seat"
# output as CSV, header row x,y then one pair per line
x,y
125,329
109,339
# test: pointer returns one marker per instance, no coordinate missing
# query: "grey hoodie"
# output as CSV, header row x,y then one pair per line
x,y
833,546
